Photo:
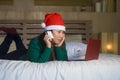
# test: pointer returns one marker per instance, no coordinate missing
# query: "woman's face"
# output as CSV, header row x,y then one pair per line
x,y
59,35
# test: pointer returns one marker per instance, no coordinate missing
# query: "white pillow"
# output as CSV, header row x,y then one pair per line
x,y
76,50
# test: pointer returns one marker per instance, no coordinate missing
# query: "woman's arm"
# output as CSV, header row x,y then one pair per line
x,y
61,53
37,53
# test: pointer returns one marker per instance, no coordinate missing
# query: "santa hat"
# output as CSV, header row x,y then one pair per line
x,y
53,21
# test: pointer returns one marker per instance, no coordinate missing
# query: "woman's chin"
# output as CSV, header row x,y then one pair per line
x,y
57,43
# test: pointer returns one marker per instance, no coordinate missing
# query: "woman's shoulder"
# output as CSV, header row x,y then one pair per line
x,y
35,40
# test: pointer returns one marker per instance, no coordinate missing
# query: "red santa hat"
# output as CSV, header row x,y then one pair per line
x,y
53,21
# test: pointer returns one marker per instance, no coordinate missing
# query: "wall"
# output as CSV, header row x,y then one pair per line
x,y
25,10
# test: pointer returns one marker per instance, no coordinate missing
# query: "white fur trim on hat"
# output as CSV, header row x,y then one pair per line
x,y
43,25
55,27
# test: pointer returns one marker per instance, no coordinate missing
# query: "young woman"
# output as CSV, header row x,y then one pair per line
x,y
46,47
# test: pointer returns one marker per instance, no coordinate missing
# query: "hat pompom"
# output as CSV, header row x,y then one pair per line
x,y
43,25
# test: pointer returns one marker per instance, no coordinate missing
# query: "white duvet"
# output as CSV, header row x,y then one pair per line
x,y
106,68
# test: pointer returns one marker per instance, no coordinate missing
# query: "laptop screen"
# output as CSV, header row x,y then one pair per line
x,y
93,49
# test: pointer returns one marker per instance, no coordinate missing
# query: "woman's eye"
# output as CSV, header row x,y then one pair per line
x,y
62,32
59,31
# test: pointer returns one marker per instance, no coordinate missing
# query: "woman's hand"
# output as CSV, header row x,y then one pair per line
x,y
61,42
48,41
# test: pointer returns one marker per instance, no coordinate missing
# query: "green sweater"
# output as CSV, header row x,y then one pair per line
x,y
38,52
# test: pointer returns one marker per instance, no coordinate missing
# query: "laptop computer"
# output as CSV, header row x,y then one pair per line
x,y
93,49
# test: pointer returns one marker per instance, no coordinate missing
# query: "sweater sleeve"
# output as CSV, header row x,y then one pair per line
x,y
36,53
61,53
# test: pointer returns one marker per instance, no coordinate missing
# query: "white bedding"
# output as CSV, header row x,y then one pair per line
x,y
106,68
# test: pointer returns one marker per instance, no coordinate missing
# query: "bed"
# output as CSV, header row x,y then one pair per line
x,y
106,67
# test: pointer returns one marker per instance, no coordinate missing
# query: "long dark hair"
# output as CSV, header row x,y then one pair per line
x,y
41,38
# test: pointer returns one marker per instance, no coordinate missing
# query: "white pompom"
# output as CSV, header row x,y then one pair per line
x,y
43,25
